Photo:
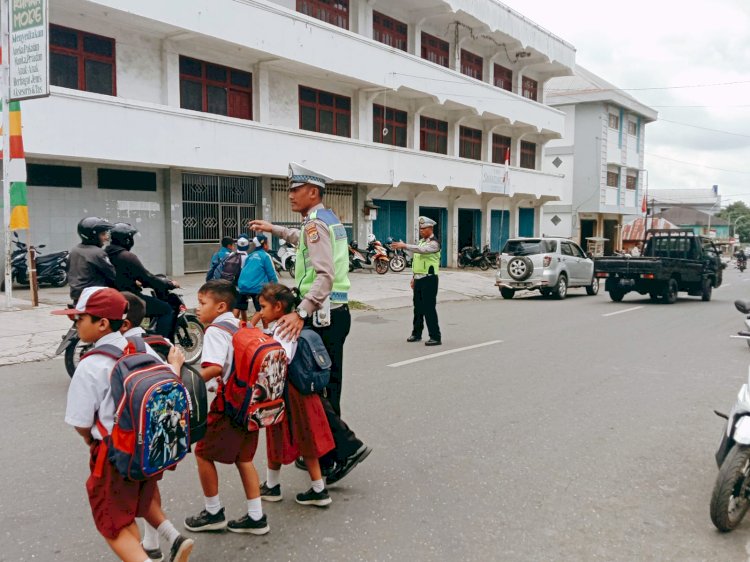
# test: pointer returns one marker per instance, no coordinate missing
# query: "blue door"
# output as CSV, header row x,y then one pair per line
x,y
499,229
441,217
391,220
525,222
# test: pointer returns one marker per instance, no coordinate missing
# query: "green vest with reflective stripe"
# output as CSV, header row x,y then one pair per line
x,y
304,273
421,263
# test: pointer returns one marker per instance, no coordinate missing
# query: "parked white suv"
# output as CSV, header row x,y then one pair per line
x,y
549,265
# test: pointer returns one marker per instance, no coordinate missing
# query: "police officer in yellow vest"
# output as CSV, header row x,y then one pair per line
x,y
425,266
322,276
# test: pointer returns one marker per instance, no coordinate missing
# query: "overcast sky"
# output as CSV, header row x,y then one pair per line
x,y
665,43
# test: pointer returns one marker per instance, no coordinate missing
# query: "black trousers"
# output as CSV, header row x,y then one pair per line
x,y
425,302
333,337
163,314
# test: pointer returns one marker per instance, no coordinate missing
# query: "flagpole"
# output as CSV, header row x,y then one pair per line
x,y
5,28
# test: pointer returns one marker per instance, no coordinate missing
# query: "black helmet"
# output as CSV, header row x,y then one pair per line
x,y
90,228
122,235
354,245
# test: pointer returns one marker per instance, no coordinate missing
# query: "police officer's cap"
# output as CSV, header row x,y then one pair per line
x,y
425,222
299,176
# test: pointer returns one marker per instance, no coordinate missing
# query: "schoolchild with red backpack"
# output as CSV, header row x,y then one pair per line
x,y
118,493
227,440
305,430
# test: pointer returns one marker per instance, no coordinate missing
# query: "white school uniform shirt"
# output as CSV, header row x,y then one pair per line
x,y
290,347
217,347
89,393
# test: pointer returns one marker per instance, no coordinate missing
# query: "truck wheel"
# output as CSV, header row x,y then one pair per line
x,y
707,289
508,293
669,293
616,294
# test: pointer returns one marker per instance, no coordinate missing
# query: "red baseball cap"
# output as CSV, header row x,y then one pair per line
x,y
101,302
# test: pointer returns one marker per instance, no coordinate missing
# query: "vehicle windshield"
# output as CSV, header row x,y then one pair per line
x,y
529,247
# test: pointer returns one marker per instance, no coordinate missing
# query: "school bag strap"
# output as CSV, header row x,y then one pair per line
x,y
227,326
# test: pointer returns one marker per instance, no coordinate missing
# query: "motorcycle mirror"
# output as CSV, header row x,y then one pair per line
x,y
42,246
15,235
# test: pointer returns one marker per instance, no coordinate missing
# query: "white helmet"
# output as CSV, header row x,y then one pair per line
x,y
370,238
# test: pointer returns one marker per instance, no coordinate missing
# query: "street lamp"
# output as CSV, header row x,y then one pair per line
x,y
738,219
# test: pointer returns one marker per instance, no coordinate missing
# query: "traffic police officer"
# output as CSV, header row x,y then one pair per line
x,y
322,276
425,266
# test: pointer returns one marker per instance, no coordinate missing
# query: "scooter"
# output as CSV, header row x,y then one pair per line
x,y
376,258
186,331
287,256
743,306
491,257
742,265
398,260
730,497
471,256
51,269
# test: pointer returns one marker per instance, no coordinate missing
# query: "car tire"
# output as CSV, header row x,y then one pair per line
x,y
593,289
520,268
507,293
707,290
561,288
669,293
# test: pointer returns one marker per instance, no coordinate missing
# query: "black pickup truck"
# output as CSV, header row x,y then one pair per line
x,y
672,260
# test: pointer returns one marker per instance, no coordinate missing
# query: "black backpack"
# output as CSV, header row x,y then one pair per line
x,y
230,268
310,370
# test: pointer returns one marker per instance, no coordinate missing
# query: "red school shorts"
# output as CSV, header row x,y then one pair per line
x,y
225,441
115,501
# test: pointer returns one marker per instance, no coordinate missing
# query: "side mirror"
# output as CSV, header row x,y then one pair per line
x,y
42,246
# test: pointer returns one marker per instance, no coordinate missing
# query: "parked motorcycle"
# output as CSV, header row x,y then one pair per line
x,y
374,258
287,256
491,257
471,256
51,269
186,331
398,260
730,497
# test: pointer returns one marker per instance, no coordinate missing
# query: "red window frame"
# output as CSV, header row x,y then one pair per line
x,y
631,182
471,64
528,155
337,109
228,85
393,119
435,50
335,12
530,88
503,78
499,145
390,31
470,143
82,56
435,130
613,179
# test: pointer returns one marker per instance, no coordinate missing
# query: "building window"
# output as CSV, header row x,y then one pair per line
x,y
433,135
528,155
324,112
614,121
613,179
631,182
390,31
391,120
435,50
212,88
470,143
45,175
500,145
82,61
632,128
471,64
503,78
530,88
335,12
126,179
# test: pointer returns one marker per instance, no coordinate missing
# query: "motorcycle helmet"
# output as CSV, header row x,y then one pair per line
x,y
90,228
122,235
389,240
370,238
354,245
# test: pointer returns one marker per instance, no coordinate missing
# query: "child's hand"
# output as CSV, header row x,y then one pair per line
x,y
176,359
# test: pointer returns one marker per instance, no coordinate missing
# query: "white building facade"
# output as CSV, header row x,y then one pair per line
x,y
601,156
181,117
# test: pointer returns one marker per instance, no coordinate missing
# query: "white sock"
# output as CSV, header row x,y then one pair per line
x,y
318,485
147,560
150,537
213,505
255,509
168,531
273,478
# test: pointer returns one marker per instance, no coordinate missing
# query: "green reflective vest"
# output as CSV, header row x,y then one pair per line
x,y
304,273
421,263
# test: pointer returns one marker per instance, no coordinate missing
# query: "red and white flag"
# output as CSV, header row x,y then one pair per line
x,y
644,206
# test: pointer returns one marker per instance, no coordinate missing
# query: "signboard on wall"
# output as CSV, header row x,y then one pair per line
x,y
29,49
492,179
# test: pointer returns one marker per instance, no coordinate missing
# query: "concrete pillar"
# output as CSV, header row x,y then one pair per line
x,y
454,138
265,212
170,73
175,242
416,118
261,99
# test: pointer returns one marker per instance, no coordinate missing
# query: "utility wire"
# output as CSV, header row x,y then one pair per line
x,y
704,128
698,165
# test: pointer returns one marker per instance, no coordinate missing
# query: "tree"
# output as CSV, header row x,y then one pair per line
x,y
732,214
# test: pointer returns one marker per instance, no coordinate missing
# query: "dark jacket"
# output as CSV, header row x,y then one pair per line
x,y
88,266
130,270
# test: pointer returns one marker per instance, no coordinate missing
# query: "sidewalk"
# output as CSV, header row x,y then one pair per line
x,y
33,334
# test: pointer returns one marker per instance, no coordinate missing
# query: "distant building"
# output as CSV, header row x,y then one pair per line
x,y
700,222
706,200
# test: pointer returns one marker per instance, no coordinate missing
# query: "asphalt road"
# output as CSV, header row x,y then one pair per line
x,y
578,434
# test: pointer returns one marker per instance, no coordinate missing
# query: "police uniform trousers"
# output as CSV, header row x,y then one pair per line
x,y
333,337
425,301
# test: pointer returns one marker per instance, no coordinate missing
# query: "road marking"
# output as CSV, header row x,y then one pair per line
x,y
623,311
442,353
724,285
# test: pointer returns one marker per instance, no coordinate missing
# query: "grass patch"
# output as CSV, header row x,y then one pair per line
x,y
357,305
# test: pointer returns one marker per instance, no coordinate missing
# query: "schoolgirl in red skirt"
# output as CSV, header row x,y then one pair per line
x,y
304,431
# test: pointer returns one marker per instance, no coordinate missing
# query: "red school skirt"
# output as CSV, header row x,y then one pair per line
x,y
225,441
303,432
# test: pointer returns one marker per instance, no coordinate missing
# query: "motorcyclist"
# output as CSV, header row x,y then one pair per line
x,y
132,276
88,264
